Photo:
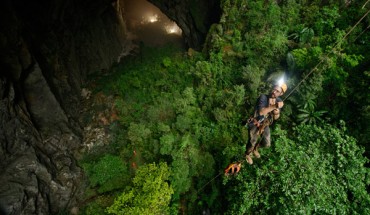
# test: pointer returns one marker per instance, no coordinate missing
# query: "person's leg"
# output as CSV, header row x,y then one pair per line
x,y
252,140
266,138
265,142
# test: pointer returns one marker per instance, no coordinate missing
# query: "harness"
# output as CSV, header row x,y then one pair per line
x,y
261,122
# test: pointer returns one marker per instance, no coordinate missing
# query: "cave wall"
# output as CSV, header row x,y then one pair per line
x,y
47,49
194,17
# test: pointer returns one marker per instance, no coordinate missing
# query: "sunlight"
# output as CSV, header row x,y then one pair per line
x,y
173,29
150,25
152,18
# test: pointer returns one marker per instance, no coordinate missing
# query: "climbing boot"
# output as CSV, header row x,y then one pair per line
x,y
256,153
249,159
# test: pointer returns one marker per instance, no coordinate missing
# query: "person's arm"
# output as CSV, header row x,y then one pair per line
x,y
272,106
276,114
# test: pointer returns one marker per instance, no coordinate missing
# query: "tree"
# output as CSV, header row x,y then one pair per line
x,y
316,169
107,174
188,111
150,193
308,113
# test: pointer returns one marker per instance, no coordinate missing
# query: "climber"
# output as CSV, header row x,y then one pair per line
x,y
234,168
267,109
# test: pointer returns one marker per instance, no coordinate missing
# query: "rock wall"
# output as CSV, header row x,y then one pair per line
x,y
47,49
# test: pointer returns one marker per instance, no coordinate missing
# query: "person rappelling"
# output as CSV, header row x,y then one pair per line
x,y
267,110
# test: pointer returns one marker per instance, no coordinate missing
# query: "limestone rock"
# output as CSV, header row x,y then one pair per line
x,y
47,49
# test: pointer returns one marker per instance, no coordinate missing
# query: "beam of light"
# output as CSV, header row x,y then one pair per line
x,y
150,18
172,28
153,18
281,81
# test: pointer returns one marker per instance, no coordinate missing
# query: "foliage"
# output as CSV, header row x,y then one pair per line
x,y
150,193
303,36
98,206
107,173
251,30
313,170
332,70
309,115
187,109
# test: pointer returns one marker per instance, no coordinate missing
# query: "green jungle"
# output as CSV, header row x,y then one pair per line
x,y
184,113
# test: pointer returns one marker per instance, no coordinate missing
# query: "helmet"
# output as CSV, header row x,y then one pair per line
x,y
284,87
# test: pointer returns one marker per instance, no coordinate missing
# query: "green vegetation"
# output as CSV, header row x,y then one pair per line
x,y
312,170
183,113
107,173
151,193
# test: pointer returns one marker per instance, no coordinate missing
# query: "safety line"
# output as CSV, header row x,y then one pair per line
x,y
322,59
209,182
363,6
362,32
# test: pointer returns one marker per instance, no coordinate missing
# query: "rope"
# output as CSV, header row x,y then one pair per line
x,y
363,6
362,33
209,182
240,161
322,59
295,88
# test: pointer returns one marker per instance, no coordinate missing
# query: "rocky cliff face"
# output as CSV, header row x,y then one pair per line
x,y
47,49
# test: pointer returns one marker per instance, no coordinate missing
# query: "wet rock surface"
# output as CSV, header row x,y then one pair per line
x,y
47,50
98,116
47,119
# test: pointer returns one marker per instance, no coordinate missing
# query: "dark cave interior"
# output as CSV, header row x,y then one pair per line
x,y
48,49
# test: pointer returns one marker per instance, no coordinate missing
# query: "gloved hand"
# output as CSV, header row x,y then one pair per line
x,y
279,104
272,101
276,111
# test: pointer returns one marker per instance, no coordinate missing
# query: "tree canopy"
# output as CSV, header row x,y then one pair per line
x,y
315,169
185,114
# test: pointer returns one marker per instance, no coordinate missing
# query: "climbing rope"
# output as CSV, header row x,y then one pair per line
x,y
208,182
236,163
296,87
322,59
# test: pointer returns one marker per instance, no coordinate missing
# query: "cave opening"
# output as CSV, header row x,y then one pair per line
x,y
147,25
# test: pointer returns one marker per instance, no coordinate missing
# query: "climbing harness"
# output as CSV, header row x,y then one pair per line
x,y
254,121
235,167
